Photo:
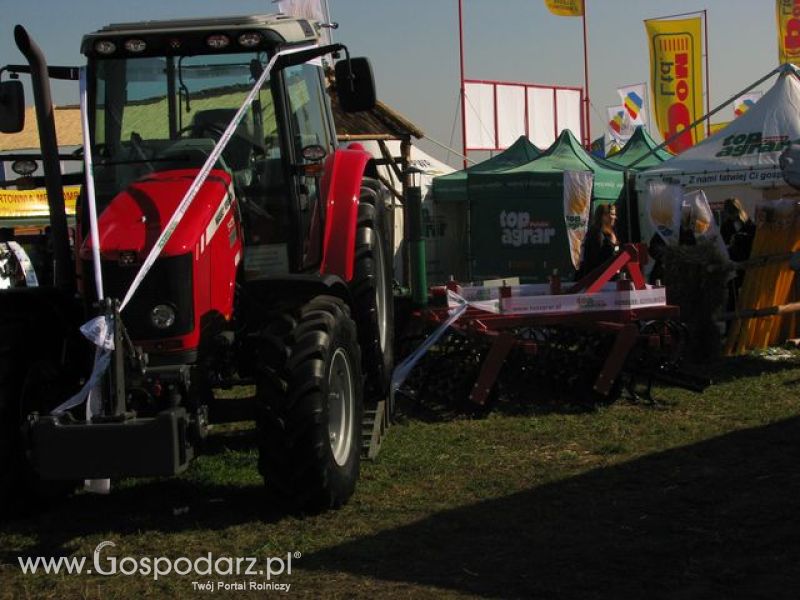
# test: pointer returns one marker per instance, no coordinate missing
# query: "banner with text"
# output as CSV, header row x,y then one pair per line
x,y
577,198
788,15
676,79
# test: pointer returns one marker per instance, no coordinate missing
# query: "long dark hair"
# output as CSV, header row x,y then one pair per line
x,y
602,210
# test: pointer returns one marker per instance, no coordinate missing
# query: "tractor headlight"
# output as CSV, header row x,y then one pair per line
x,y
162,316
105,47
135,46
249,39
218,41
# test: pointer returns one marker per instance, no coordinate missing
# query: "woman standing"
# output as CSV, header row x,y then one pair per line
x,y
737,230
601,238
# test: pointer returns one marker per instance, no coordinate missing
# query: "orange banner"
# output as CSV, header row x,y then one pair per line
x,y
676,79
788,15
565,8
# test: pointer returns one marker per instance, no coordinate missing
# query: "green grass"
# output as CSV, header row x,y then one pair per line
x,y
696,496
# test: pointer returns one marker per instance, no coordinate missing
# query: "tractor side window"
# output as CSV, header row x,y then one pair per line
x,y
308,119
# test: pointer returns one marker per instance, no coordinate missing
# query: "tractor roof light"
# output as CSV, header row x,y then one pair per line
x,y
250,39
24,167
135,46
218,41
105,47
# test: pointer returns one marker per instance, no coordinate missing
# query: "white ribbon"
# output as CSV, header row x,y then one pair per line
x,y
100,330
201,177
403,370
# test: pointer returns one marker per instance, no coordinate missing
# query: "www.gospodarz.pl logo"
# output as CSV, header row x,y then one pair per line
x,y
207,566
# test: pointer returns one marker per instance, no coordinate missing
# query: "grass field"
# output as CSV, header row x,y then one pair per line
x,y
696,497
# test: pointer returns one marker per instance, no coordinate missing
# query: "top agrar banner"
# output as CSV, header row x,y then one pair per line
x,y
788,15
676,79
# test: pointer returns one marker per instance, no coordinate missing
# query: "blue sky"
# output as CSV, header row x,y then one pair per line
x,y
414,44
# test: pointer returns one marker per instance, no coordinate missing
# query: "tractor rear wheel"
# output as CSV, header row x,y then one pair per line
x,y
373,303
311,404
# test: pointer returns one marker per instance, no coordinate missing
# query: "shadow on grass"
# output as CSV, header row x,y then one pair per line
x,y
724,370
166,505
718,519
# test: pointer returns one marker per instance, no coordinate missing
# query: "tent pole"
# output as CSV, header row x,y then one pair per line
x,y
708,76
672,138
628,217
463,90
586,116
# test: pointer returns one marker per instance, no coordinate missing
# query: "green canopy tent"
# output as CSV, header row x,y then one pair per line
x,y
453,186
640,145
517,215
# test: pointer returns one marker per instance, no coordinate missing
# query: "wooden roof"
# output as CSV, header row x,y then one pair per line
x,y
382,122
68,130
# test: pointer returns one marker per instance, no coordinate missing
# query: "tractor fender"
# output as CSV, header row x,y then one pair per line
x,y
294,286
341,186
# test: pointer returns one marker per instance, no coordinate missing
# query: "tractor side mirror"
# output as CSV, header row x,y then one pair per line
x,y
12,106
355,85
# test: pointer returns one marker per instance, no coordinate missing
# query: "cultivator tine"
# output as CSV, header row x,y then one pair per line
x,y
491,367
623,344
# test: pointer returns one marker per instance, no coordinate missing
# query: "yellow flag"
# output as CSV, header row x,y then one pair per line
x,y
788,14
676,79
565,8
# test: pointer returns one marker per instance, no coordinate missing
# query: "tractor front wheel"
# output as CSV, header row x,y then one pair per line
x,y
311,402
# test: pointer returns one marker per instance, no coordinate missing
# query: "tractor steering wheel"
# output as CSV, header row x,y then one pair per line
x,y
199,128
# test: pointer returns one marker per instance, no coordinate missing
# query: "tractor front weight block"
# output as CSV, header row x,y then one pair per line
x,y
137,447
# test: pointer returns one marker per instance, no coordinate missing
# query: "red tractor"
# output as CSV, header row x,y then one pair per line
x,y
277,275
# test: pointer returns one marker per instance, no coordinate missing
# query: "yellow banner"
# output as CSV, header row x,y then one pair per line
x,y
565,8
788,14
676,79
715,127
33,203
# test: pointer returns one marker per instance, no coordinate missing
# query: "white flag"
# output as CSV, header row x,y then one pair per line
x,y
316,10
619,129
745,102
632,98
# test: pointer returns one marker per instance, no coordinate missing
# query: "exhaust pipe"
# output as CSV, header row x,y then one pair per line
x,y
63,273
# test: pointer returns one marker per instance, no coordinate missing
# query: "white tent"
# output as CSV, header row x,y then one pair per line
x,y
444,226
740,160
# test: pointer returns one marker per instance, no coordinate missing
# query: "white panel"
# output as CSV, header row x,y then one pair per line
x,y
568,107
510,114
480,115
541,116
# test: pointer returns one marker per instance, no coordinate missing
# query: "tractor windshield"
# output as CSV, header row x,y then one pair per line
x,y
159,113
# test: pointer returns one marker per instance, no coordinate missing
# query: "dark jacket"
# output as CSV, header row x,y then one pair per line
x,y
597,249
739,240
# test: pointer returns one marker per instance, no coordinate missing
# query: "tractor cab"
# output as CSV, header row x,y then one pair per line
x,y
163,93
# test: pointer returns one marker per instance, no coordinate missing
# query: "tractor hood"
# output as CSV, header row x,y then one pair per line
x,y
136,217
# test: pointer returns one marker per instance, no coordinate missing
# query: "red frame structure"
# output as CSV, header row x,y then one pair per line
x,y
526,86
623,324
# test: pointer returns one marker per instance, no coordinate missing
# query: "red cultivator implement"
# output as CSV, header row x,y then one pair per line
x,y
593,339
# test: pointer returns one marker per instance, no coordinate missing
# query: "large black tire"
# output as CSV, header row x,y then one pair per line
x,y
308,368
373,304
